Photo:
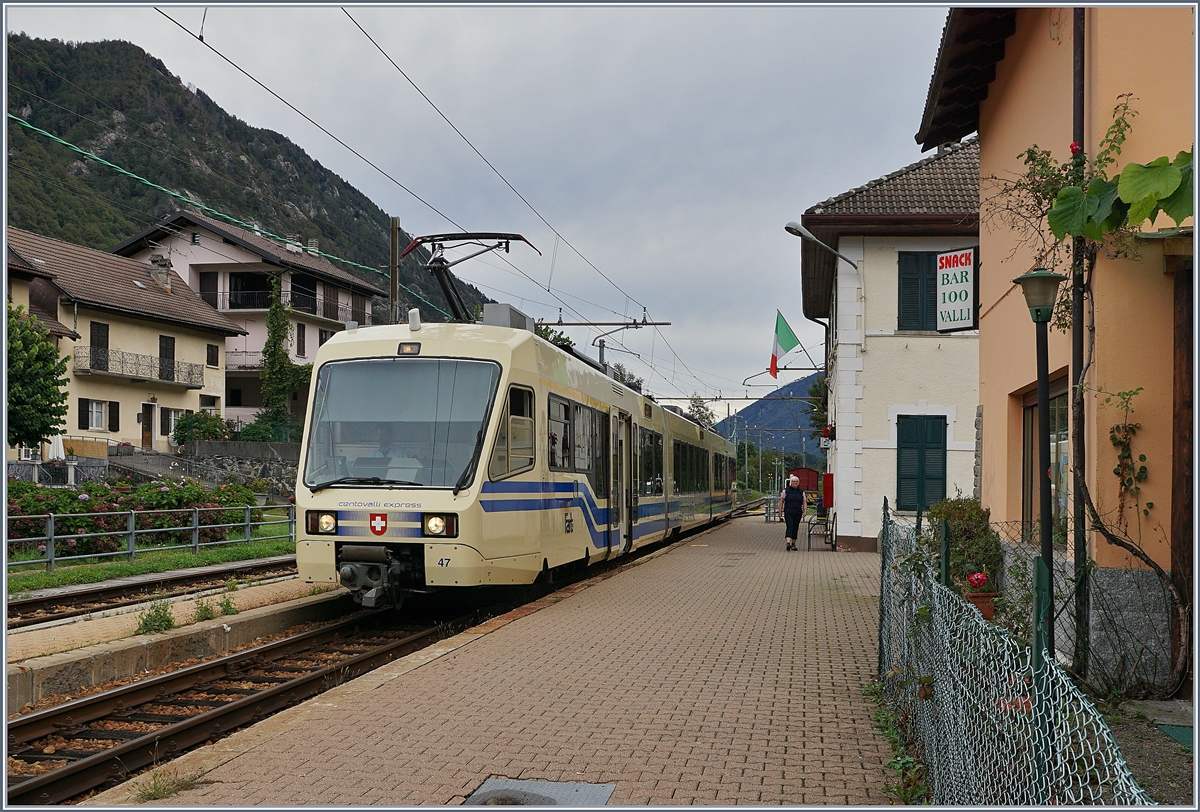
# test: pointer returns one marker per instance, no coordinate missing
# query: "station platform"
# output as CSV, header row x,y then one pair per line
x,y
722,670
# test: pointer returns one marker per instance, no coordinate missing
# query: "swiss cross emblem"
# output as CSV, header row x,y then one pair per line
x,y
378,523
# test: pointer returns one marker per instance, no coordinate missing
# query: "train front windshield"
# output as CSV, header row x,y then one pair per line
x,y
412,422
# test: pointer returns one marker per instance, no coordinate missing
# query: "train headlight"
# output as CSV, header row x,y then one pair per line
x,y
439,524
321,522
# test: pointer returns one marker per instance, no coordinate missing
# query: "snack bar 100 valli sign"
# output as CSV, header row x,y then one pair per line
x,y
958,290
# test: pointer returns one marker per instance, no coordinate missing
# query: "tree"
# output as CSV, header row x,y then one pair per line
x,y
555,337
699,411
37,394
620,373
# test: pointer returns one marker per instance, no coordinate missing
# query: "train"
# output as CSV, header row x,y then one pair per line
x,y
457,455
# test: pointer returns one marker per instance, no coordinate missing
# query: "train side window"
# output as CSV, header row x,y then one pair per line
x,y
560,434
513,451
584,431
600,444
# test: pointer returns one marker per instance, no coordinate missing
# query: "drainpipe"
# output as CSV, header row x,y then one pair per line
x,y
1082,619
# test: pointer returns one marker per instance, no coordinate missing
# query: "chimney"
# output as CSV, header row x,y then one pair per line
x,y
160,269
293,238
313,245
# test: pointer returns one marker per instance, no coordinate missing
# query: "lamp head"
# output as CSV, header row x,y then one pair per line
x,y
797,230
1040,287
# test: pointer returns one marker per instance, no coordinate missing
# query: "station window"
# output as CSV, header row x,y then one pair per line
x,y
920,461
918,290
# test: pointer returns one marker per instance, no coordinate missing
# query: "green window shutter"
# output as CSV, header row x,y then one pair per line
x,y
84,404
909,317
114,415
920,461
934,441
908,461
928,263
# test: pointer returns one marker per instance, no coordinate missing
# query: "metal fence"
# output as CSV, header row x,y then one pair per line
x,y
989,727
138,531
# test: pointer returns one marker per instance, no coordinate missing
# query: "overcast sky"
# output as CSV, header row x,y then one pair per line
x,y
668,145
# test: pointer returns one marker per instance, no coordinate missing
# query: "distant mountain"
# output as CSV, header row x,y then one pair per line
x,y
787,420
118,102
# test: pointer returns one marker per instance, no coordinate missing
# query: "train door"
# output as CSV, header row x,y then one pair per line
x,y
621,516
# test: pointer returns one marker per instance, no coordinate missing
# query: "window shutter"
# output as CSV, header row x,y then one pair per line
x,y
934,442
928,264
114,415
164,422
83,413
909,317
908,461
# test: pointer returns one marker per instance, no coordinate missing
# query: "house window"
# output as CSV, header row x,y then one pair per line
x,y
96,415
195,238
166,358
920,461
300,340
358,307
235,397
167,420
213,357
323,336
918,290
1060,458
99,349
329,308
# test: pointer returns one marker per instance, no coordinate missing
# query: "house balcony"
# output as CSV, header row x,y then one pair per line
x,y
243,359
138,368
300,300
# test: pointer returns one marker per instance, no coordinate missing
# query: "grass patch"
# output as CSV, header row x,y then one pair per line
x,y
226,606
157,618
164,783
149,561
912,789
203,611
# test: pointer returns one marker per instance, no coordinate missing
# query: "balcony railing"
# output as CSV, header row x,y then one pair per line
x,y
301,301
104,361
243,359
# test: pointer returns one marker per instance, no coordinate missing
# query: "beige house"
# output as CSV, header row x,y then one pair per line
x,y
231,269
902,396
1008,74
144,348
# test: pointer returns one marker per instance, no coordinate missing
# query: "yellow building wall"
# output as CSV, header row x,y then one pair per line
x,y
139,337
1149,52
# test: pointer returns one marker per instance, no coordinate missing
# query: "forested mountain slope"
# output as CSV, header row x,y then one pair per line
x,y
118,102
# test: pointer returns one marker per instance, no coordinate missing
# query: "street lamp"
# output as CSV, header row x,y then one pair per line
x,y
1040,287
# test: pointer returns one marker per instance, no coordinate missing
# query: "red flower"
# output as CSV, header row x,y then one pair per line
x,y
1075,148
977,579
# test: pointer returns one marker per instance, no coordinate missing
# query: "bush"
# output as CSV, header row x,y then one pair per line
x,y
94,507
266,429
974,545
200,426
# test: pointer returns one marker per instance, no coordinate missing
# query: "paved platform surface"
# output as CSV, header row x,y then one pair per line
x,y
721,671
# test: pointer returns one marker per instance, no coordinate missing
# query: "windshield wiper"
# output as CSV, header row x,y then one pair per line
x,y
469,471
363,480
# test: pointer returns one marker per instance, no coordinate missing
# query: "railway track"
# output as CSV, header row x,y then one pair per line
x,y
60,753
112,595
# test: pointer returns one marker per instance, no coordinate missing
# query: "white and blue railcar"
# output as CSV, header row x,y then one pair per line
x,y
463,455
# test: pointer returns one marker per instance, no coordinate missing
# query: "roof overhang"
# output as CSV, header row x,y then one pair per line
x,y
818,267
143,316
160,231
972,43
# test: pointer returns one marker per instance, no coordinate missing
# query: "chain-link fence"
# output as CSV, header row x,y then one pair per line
x,y
989,728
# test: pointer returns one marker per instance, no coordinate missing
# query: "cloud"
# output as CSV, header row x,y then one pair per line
x,y
669,145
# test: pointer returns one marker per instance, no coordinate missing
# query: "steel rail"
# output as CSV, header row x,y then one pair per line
x,y
87,773
27,606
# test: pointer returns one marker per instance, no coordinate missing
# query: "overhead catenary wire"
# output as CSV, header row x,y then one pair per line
x,y
447,218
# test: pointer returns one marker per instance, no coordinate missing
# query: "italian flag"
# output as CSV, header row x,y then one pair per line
x,y
785,342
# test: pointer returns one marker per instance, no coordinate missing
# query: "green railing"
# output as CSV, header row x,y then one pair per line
x,y
990,728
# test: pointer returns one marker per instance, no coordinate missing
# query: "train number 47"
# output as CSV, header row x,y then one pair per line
x,y
443,562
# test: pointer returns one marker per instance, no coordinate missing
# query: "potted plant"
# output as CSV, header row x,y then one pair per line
x,y
976,553
261,487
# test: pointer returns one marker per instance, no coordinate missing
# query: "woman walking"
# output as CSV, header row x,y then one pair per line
x,y
791,505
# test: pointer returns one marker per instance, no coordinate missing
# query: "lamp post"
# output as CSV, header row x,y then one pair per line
x,y
1040,287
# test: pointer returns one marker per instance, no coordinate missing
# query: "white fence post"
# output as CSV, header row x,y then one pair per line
x,y
132,541
195,530
50,543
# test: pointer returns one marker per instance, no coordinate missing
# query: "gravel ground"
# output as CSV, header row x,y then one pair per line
x,y
1161,765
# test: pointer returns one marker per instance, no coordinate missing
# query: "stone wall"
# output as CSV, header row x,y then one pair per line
x,y
243,462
